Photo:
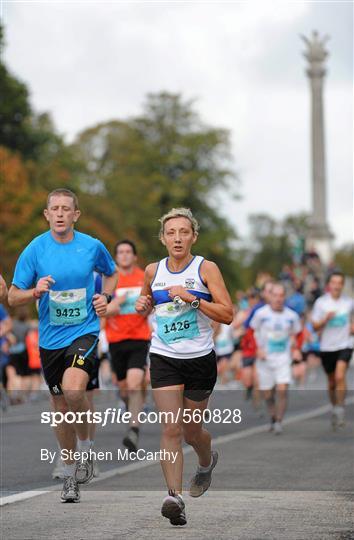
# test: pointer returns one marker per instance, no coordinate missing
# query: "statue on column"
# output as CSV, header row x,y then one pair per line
x,y
319,236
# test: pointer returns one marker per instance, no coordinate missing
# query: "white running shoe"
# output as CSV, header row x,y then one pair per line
x,y
278,428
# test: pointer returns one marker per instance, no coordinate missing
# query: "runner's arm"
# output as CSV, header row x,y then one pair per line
x,y
109,283
144,304
320,324
3,290
221,308
19,297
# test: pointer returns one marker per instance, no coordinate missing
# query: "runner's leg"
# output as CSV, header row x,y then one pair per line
x,y
170,399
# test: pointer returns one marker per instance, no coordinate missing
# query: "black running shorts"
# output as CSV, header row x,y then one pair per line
x,y
197,374
329,359
128,354
81,354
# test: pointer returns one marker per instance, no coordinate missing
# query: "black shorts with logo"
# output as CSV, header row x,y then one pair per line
x,y
197,374
329,359
81,354
128,354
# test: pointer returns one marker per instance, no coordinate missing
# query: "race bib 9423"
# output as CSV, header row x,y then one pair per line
x,y
67,307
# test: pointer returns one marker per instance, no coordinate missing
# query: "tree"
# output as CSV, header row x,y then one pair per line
x,y
21,209
344,257
275,243
164,158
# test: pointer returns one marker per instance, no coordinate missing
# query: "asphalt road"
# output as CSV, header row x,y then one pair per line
x,y
297,485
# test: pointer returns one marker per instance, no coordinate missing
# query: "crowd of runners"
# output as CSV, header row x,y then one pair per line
x,y
173,327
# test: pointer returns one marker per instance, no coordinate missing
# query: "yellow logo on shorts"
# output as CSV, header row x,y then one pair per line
x,y
79,361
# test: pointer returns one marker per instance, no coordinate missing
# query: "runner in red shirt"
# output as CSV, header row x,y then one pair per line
x,y
128,334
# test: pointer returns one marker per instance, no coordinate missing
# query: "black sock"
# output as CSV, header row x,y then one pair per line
x,y
135,429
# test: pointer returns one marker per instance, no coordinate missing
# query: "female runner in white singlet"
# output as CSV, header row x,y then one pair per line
x,y
185,293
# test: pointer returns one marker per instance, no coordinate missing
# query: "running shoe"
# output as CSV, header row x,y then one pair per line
x,y
278,428
71,491
173,508
271,425
202,480
58,471
131,440
84,469
340,416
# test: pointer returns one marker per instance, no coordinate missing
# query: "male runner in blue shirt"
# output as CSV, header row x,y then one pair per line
x,y
57,268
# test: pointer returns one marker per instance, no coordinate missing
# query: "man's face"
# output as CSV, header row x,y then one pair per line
x,y
267,292
335,285
125,257
277,298
61,214
178,237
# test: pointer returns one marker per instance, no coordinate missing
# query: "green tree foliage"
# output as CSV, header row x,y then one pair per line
x,y
274,243
344,259
139,169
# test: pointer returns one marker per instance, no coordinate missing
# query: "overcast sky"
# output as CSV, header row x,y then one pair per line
x,y
87,62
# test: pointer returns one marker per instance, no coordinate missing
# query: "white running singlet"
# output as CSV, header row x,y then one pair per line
x,y
180,331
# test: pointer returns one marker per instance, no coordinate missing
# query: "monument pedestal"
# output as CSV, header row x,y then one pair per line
x,y
320,240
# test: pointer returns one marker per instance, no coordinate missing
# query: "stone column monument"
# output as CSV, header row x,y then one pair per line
x,y
319,237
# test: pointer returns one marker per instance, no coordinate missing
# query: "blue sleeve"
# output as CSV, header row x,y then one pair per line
x,y
3,313
25,271
247,322
104,263
98,283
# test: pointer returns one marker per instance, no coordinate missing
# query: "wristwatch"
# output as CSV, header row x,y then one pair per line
x,y
108,297
195,303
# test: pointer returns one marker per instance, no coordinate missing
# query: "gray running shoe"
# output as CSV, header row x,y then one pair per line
x,y
340,416
58,471
173,508
71,491
131,440
278,428
202,480
84,469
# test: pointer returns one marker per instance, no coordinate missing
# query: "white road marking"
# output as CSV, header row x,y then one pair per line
x,y
119,471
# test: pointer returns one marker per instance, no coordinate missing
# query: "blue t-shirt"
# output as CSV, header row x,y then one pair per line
x,y
66,312
3,317
98,282
296,302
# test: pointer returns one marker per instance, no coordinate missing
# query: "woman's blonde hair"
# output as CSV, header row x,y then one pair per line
x,y
179,212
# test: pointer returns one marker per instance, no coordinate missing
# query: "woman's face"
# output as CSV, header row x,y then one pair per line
x,y
178,237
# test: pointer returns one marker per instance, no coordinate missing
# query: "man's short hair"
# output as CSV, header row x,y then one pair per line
x,y
279,284
266,283
67,193
129,242
336,273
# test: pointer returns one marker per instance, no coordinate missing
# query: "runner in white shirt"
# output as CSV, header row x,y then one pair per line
x,y
275,326
332,317
185,293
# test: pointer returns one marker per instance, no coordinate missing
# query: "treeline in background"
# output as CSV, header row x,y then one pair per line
x,y
127,173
